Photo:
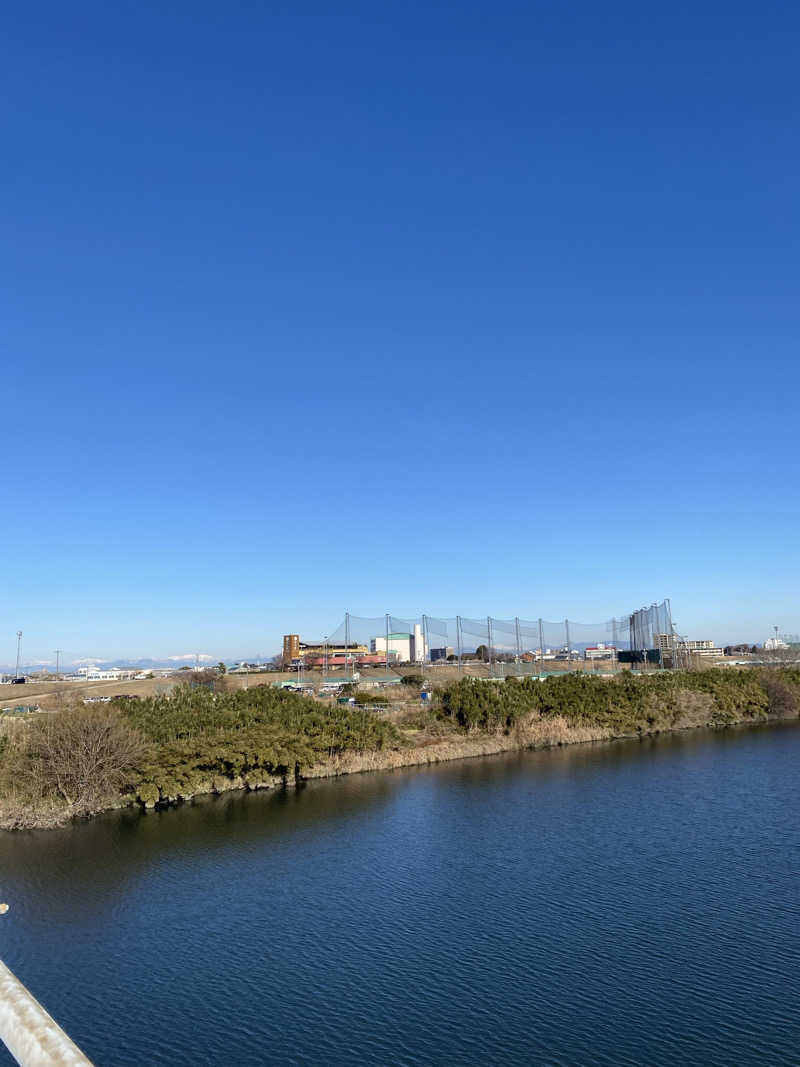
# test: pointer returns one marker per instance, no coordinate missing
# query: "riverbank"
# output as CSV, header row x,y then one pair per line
x,y
410,904
171,749
548,736
540,735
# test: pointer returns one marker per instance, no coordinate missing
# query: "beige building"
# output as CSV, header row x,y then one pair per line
x,y
291,647
666,643
294,648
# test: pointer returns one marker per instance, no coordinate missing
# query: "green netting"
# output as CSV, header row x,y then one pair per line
x,y
429,638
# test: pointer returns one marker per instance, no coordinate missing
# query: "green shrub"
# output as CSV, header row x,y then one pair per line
x,y
362,697
628,703
199,736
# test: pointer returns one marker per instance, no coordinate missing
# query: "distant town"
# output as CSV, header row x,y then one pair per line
x,y
323,666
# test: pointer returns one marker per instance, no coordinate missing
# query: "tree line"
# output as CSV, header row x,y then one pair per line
x,y
87,757
625,704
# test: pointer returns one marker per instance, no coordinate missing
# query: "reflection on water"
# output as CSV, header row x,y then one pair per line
x,y
626,903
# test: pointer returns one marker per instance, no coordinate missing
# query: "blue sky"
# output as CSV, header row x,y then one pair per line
x,y
447,307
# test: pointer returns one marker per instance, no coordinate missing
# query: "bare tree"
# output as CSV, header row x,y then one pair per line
x,y
83,756
783,697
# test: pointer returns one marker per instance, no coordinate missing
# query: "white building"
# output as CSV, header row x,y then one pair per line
x,y
99,674
403,647
600,652
399,647
774,644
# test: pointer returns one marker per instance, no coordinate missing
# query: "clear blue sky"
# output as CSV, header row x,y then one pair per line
x,y
440,307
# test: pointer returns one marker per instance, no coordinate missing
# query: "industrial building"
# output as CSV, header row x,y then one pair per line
x,y
399,647
402,647
437,655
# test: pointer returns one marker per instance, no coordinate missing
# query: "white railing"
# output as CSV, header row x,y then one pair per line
x,y
32,1037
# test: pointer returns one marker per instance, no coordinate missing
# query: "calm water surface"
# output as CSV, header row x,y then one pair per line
x,y
634,903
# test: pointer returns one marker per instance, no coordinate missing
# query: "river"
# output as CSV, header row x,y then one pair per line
x,y
629,903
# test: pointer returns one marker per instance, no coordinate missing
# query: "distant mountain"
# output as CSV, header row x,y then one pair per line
x,y
143,664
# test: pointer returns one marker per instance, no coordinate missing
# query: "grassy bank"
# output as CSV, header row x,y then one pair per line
x,y
159,750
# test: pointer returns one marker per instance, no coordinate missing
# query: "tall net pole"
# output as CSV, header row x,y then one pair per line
x,y
346,638
657,631
458,640
386,658
671,631
541,644
569,647
489,638
519,641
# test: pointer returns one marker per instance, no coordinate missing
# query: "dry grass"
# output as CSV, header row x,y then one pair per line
x,y
694,708
427,748
536,732
18,813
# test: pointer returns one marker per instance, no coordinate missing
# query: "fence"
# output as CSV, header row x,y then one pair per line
x,y
426,639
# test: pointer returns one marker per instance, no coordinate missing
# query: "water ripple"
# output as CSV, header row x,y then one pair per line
x,y
631,904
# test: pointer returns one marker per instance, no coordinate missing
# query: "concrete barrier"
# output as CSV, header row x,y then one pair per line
x,y
32,1037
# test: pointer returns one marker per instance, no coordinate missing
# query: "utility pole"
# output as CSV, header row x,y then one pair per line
x,y
58,655
19,642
